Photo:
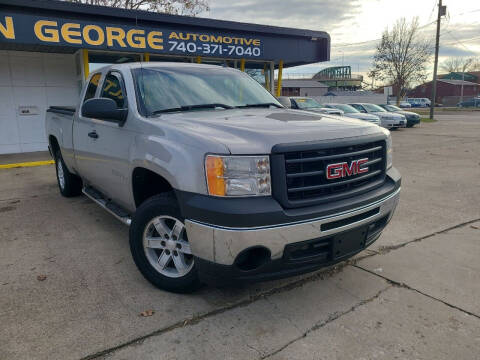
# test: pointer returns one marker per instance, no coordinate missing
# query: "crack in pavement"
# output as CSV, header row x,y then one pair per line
x,y
405,286
332,317
321,275
386,249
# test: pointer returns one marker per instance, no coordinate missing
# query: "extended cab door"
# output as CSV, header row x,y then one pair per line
x,y
103,146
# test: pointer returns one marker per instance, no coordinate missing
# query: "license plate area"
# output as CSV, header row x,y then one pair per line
x,y
349,242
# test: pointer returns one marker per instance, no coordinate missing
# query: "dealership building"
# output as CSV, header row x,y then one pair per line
x,y
48,48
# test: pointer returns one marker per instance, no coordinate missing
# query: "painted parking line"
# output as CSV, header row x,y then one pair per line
x,y
26,164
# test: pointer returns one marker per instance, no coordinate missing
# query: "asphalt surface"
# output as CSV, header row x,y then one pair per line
x,y
70,290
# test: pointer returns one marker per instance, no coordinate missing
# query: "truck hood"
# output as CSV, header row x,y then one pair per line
x,y
256,131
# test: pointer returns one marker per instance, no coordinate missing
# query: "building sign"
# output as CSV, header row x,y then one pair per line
x,y
27,29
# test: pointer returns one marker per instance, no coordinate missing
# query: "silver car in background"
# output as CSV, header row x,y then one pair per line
x,y
388,120
351,112
307,104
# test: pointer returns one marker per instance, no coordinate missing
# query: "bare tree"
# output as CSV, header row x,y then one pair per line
x,y
457,64
179,7
475,64
401,56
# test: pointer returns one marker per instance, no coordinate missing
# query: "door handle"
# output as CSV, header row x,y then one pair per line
x,y
93,135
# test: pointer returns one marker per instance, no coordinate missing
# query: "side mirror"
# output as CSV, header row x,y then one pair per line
x,y
104,109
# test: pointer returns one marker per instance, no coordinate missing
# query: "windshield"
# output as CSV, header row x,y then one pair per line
x,y
346,108
392,108
307,103
194,88
373,108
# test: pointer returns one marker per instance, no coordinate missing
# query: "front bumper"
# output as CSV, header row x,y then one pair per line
x,y
413,121
298,258
391,123
222,245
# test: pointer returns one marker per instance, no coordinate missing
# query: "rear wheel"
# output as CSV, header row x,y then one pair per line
x,y
160,247
69,184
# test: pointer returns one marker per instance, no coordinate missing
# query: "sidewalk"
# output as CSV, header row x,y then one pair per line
x,y
25,157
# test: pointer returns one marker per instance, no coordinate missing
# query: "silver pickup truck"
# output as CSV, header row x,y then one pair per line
x,y
218,182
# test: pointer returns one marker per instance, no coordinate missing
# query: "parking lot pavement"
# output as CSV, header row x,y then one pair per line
x,y
440,167
414,295
398,324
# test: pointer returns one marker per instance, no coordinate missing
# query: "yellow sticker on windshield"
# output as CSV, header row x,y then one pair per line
x,y
301,100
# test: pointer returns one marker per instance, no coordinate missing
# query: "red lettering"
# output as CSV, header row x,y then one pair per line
x,y
360,162
340,170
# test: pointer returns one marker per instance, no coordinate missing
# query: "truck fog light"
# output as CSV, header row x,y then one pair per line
x,y
238,175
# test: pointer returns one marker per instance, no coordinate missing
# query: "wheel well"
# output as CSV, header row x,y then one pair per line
x,y
146,183
54,147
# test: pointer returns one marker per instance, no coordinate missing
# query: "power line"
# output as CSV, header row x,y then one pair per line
x,y
433,9
372,40
420,27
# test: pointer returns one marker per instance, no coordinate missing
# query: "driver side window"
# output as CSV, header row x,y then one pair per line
x,y
113,89
92,87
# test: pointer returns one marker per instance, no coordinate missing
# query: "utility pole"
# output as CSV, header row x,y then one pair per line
x,y
461,91
442,10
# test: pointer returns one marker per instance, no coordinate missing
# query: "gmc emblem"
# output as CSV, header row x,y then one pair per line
x,y
341,170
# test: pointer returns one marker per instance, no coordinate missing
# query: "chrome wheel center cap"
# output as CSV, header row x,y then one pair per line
x,y
171,245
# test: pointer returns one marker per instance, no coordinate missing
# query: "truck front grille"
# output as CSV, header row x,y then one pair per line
x,y
305,172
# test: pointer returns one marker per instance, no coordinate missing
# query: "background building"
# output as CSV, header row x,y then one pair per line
x,y
339,78
448,91
303,87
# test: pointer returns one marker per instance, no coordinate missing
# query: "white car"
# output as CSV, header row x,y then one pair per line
x,y
405,104
402,104
307,104
388,120
351,112
419,102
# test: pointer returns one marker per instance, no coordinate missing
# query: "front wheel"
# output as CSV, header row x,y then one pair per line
x,y
160,247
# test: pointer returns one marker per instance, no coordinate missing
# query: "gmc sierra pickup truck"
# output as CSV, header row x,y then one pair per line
x,y
218,182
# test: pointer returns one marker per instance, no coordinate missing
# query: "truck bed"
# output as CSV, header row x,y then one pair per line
x,y
66,110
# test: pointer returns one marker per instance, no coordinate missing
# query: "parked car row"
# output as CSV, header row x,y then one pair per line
x,y
387,116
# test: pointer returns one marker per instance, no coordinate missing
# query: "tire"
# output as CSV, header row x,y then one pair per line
x,y
410,125
69,184
159,245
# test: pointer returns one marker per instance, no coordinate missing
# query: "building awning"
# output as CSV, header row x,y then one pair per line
x,y
59,26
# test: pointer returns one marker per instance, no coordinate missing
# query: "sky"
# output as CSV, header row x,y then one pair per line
x,y
356,25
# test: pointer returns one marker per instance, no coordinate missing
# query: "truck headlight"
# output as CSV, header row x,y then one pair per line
x,y
389,151
238,175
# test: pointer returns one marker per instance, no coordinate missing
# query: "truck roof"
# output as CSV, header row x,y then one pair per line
x,y
163,64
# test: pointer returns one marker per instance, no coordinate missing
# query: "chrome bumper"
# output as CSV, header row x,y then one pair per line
x,y
222,244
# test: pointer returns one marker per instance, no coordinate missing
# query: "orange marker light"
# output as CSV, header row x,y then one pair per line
x,y
215,181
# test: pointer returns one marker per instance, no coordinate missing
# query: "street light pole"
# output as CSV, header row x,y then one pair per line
x,y
442,10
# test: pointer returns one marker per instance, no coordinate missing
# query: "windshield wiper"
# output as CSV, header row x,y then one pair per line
x,y
259,105
191,107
